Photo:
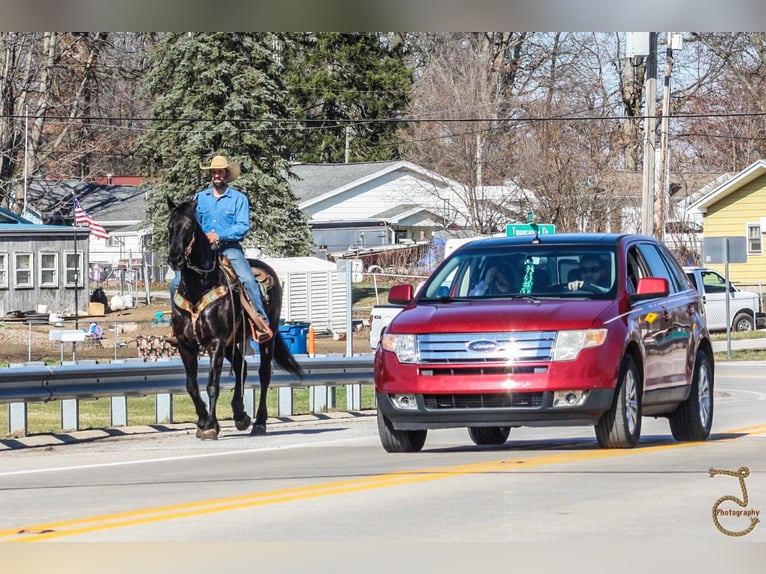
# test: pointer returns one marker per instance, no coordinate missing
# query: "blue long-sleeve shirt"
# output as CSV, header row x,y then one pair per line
x,y
228,215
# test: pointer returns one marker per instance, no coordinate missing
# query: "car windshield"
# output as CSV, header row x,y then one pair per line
x,y
526,270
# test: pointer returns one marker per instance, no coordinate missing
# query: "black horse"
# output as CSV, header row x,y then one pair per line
x,y
208,314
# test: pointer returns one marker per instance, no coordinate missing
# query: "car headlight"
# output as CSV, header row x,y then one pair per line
x,y
404,346
570,343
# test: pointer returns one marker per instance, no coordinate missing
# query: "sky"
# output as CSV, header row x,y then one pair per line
x,y
382,15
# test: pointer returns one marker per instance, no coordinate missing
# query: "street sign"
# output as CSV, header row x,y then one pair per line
x,y
517,229
724,249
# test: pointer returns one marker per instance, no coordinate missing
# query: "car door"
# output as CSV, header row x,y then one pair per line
x,y
714,287
668,321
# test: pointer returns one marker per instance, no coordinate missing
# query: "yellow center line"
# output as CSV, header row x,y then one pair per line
x,y
47,531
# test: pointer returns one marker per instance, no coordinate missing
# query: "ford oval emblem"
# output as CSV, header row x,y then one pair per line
x,y
482,346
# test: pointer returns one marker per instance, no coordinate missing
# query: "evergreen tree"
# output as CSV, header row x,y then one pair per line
x,y
336,80
221,93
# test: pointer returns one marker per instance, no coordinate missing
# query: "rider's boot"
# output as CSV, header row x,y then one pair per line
x,y
261,326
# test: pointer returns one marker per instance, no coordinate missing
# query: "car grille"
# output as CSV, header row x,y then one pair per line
x,y
526,347
483,401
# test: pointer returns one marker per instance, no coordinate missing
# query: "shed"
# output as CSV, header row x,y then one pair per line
x,y
41,266
314,291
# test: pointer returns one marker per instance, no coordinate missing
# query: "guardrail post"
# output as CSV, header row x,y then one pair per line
x,y
119,411
163,408
318,399
285,404
70,415
248,396
353,397
17,418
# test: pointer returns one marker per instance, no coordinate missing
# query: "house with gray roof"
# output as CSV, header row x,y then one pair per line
x,y
375,203
120,209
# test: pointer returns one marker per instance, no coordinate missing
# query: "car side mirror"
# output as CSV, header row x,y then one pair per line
x,y
400,294
651,288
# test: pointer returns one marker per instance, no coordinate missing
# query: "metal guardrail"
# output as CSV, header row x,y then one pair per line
x,y
25,383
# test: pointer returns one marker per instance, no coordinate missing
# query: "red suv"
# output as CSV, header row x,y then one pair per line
x,y
561,329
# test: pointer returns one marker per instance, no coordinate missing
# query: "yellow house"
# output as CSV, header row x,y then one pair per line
x,y
737,208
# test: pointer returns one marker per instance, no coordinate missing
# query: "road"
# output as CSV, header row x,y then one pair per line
x,y
329,480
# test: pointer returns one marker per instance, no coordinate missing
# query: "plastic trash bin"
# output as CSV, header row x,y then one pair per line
x,y
295,336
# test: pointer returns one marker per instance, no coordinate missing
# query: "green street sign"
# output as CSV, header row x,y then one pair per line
x,y
517,229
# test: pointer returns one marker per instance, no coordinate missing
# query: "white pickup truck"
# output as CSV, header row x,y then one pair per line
x,y
745,309
380,317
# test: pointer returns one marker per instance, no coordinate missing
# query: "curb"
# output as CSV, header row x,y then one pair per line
x,y
90,435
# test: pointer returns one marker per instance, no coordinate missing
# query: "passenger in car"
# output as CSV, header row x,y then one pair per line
x,y
497,281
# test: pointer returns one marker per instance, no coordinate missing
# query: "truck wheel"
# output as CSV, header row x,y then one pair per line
x,y
399,440
489,435
620,426
743,322
692,420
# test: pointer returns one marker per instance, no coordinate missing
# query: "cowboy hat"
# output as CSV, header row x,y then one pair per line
x,y
220,162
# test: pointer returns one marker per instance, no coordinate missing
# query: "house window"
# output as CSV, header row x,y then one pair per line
x,y
3,271
73,270
754,242
49,270
23,269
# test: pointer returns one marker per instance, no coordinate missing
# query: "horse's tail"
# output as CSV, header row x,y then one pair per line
x,y
284,358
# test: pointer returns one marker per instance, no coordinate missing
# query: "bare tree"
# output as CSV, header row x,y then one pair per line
x,y
71,105
463,99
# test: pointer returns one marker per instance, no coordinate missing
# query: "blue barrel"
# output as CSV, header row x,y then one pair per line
x,y
295,336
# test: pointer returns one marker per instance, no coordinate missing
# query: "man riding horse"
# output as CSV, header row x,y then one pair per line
x,y
224,214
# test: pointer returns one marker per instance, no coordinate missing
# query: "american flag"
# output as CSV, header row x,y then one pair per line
x,y
81,217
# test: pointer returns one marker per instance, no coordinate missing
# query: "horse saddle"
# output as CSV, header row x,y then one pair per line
x,y
258,325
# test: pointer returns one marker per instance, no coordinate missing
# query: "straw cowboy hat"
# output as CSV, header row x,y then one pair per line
x,y
220,162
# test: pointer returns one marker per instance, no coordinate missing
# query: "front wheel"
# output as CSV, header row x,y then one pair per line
x,y
489,435
394,440
693,418
620,426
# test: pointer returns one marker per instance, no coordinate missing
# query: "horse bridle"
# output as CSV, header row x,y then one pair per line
x,y
187,252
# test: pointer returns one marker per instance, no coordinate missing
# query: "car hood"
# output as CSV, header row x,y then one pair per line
x,y
516,315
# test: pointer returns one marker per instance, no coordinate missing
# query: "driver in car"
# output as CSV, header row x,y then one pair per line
x,y
593,275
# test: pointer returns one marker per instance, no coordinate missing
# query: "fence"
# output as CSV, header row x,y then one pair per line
x,y
80,380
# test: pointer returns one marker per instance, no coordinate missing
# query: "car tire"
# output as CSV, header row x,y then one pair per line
x,y
693,418
394,440
743,322
483,436
620,426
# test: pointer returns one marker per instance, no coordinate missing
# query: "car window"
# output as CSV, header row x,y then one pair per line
x,y
538,270
713,282
658,266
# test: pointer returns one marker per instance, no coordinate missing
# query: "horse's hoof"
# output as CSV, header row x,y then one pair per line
x,y
258,430
209,434
243,423
199,432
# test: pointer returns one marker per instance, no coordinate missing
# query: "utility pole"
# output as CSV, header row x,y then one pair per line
x,y
650,137
663,197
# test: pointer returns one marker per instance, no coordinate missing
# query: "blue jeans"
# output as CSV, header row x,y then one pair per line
x,y
242,269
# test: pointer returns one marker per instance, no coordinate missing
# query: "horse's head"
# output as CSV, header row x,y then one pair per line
x,y
182,226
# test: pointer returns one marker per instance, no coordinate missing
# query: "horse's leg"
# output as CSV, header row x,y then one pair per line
x,y
189,360
241,418
211,428
264,374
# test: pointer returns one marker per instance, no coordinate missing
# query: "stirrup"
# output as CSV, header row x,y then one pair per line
x,y
261,330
